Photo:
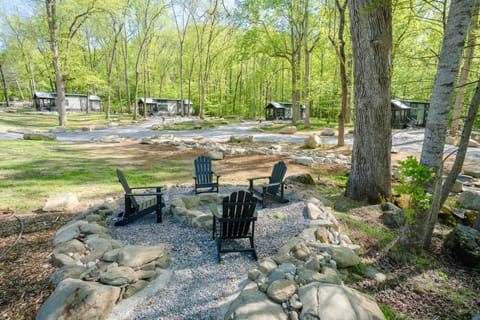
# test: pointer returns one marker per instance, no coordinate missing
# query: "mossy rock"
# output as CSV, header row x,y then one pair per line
x,y
470,217
446,216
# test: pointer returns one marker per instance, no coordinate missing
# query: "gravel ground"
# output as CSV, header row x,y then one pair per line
x,y
200,287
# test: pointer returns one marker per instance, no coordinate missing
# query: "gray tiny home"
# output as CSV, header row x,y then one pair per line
x,y
165,106
409,113
281,111
46,101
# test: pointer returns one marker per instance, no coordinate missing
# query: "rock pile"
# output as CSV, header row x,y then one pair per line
x,y
95,271
195,210
300,281
303,157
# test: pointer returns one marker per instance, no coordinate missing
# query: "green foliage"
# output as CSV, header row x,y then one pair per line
x,y
413,177
383,236
280,216
389,313
360,268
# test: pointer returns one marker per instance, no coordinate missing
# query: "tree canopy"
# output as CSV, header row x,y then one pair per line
x,y
228,58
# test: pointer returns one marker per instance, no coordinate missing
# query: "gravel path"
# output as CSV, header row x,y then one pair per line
x,y
200,287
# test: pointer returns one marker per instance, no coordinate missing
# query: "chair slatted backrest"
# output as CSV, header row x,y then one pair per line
x,y
126,188
278,173
203,170
239,205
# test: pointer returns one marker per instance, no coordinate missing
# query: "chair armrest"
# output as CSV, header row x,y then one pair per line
x,y
216,174
145,194
214,210
147,187
257,178
272,184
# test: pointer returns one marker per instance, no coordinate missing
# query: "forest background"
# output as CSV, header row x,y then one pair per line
x,y
227,57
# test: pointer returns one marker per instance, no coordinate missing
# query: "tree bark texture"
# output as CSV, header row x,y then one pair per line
x,y
462,147
420,232
340,51
371,30
4,86
60,102
469,51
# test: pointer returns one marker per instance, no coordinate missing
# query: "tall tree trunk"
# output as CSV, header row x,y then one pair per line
x,y
340,50
295,65
4,86
306,53
371,30
110,65
419,233
457,109
125,66
462,147
60,102
254,87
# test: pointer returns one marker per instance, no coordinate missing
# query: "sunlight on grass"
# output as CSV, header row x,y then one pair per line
x,y
32,171
27,119
383,236
191,125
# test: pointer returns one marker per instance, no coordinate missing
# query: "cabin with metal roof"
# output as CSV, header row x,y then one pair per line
x,y
165,106
282,111
409,113
46,101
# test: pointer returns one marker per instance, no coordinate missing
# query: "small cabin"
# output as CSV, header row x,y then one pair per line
x,y
282,111
46,101
409,113
165,106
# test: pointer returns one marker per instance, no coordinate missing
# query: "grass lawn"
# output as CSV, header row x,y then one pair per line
x,y
32,171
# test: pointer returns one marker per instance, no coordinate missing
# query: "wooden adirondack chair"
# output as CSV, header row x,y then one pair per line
x,y
135,209
204,175
274,189
237,221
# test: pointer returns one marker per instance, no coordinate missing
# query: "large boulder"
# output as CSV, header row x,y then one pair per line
x,y
343,256
474,172
254,304
215,155
303,178
335,302
393,216
312,141
75,299
281,290
241,139
288,130
470,200
44,136
61,202
464,243
137,256
328,132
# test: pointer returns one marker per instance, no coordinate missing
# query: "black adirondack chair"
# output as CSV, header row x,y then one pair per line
x,y
204,176
134,209
237,221
274,189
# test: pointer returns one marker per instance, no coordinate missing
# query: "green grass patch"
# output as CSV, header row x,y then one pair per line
x,y
383,236
192,125
32,171
390,314
43,122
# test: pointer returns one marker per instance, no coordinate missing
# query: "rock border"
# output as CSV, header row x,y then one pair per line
x,y
94,271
